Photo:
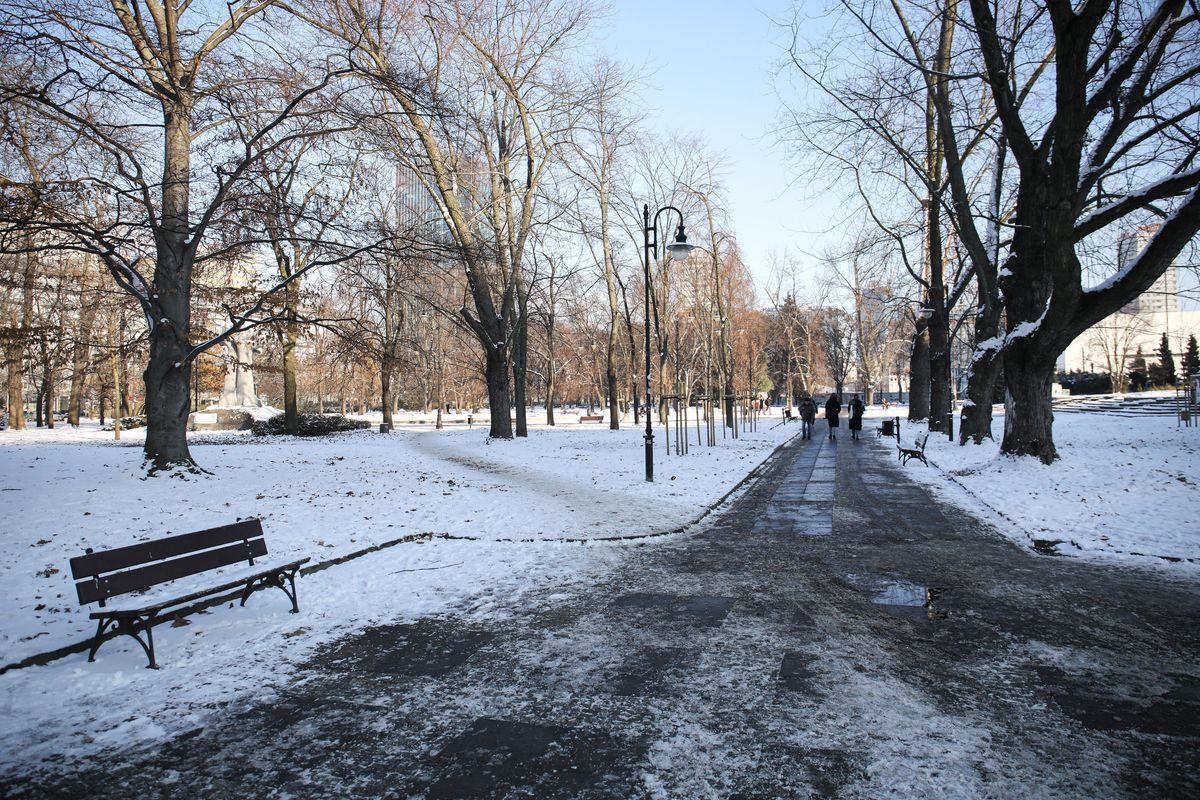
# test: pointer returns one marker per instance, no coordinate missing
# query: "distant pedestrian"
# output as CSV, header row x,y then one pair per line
x,y
833,407
885,404
855,409
808,415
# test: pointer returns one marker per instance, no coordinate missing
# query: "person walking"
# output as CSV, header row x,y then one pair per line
x,y
808,415
833,407
855,409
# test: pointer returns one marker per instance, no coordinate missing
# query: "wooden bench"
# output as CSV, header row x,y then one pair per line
x,y
916,451
105,574
591,418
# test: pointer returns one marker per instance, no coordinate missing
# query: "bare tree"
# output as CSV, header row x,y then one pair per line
x,y
835,328
605,129
471,96
1116,338
142,86
1113,144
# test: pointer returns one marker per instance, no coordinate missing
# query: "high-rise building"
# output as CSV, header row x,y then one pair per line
x,y
1162,296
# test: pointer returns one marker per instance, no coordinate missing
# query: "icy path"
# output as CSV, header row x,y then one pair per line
x,y
834,632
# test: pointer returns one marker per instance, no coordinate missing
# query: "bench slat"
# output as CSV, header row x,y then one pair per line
x,y
106,586
132,555
240,580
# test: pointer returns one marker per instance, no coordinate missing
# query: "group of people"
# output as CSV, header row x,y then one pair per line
x,y
833,411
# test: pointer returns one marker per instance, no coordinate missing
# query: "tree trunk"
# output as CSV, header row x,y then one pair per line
x,y
918,380
550,367
16,387
291,334
496,372
48,383
167,395
614,408
939,363
986,363
520,355
168,373
1028,414
385,389
80,357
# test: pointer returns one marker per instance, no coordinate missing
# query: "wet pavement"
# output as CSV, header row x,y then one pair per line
x,y
834,632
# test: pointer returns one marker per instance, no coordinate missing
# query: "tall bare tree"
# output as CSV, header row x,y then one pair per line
x,y
143,85
1113,144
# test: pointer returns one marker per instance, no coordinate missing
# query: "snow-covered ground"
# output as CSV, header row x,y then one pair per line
x,y
67,489
64,490
1125,488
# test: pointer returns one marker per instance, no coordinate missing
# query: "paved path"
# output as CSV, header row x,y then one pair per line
x,y
834,633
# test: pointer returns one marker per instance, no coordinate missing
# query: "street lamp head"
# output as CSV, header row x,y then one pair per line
x,y
680,247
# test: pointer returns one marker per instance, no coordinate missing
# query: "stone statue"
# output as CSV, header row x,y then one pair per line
x,y
238,391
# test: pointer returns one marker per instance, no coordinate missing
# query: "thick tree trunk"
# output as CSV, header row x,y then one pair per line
x,y
986,363
167,395
15,388
168,373
1028,414
918,380
496,375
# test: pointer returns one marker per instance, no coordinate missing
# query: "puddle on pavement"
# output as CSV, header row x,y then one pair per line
x,y
900,597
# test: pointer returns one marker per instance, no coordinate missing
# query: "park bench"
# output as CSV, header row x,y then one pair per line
x,y
916,451
591,418
102,575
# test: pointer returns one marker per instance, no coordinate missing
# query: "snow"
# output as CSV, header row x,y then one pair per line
x,y
1123,489
1123,486
532,513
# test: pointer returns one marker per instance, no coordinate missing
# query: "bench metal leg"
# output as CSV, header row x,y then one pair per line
x,y
284,580
100,638
127,626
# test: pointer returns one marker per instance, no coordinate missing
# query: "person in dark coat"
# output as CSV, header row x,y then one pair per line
x,y
833,407
808,415
855,409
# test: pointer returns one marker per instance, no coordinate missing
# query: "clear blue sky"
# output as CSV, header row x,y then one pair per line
x,y
710,73
710,65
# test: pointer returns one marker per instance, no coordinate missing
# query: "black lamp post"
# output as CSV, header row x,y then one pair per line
x,y
679,247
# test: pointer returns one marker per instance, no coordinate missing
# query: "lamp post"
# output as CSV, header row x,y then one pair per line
x,y
678,247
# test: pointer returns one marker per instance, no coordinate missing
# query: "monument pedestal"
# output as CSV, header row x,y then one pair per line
x,y
220,419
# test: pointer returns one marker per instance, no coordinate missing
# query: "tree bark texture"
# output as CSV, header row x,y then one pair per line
x,y
986,362
496,374
168,372
918,375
